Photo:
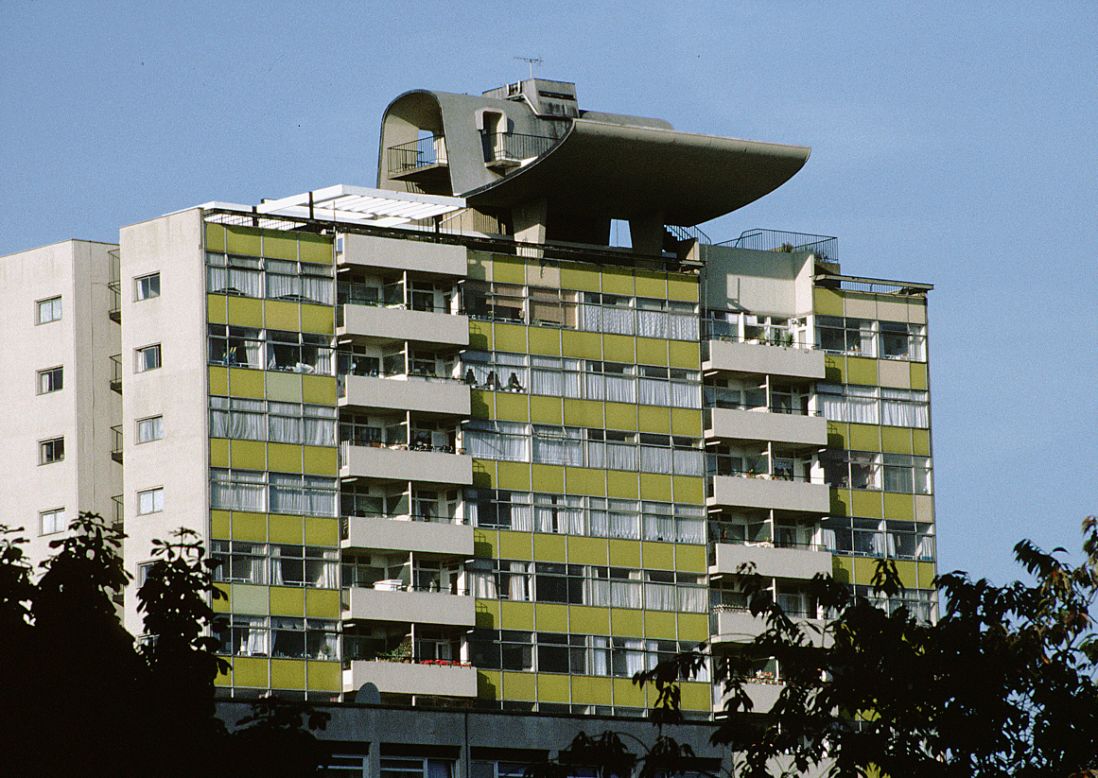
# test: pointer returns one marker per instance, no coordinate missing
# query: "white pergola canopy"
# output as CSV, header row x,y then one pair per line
x,y
355,205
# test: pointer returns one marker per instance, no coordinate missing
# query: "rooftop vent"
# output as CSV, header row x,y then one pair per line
x,y
547,99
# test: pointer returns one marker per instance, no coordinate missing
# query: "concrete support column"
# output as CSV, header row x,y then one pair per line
x,y
528,221
647,233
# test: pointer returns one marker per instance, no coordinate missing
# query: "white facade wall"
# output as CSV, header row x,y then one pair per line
x,y
82,412
173,246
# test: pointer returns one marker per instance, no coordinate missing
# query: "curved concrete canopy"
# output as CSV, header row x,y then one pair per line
x,y
602,169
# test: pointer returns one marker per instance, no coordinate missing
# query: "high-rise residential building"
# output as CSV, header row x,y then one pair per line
x,y
455,448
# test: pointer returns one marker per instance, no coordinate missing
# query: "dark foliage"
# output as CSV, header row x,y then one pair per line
x,y
81,697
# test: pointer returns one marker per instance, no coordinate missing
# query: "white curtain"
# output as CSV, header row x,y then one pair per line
x,y
689,462
654,392
518,587
594,385
691,530
625,525
317,289
548,382
617,320
655,459
692,599
321,496
621,456
862,405
621,389
255,637
652,324
682,327
625,594
659,528
217,279
279,285
287,495
660,597
600,656
564,450
684,395
247,282
599,524
484,584
590,317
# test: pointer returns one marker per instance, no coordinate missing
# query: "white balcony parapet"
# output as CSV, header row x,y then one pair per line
x,y
393,534
763,695
739,424
364,604
388,324
737,625
770,561
406,394
396,464
411,255
799,496
758,358
411,678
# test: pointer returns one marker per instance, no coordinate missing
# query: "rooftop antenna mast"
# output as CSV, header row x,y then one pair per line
x,y
531,62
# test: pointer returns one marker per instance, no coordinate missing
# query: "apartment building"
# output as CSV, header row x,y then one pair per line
x,y
455,449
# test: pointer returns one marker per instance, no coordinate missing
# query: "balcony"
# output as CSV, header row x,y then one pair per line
x,y
426,394
116,373
742,424
388,324
402,464
737,625
766,492
762,358
409,607
116,445
504,151
770,561
405,534
435,680
370,251
763,693
420,160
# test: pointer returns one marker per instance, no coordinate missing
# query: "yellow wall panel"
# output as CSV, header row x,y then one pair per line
x,y
282,246
286,529
544,340
516,615
515,545
651,351
583,277
546,410
659,624
509,270
684,354
589,621
686,421
317,318
682,289
861,371
865,437
655,487
286,601
518,686
321,532
579,480
899,506
322,604
222,604
652,418
690,558
550,548
658,556
215,238
219,452
827,302
618,348
842,568
627,694
622,484
318,249
626,622
919,376
325,676
216,309
583,413
480,335
219,381
693,627
512,407
488,684
245,312
621,416
513,475
920,442
249,526
242,240
548,478
287,674
617,281
321,460
586,551
867,503
487,614
250,672
219,525
896,440
696,696
589,690
550,617
284,458
248,454
281,315
509,337
586,345
689,489
553,688
651,285
625,553
318,389
246,383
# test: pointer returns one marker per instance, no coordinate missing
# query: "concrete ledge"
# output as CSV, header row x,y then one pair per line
x,y
398,464
736,357
799,496
365,604
394,254
410,678
388,324
738,424
770,561
406,394
406,535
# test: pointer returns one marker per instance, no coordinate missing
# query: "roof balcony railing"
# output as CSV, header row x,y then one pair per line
x,y
116,446
417,154
116,373
825,247
508,149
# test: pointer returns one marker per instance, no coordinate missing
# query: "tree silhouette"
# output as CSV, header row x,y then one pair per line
x,y
81,696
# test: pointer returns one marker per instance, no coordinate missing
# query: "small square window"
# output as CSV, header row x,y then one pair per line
x,y
52,379
48,310
143,572
150,501
52,521
146,287
50,451
148,358
149,429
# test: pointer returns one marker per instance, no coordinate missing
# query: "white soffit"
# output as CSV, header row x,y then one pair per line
x,y
362,205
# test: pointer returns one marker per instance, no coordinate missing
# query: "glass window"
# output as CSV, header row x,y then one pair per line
x,y
147,287
48,310
51,380
149,429
52,521
150,501
148,358
52,450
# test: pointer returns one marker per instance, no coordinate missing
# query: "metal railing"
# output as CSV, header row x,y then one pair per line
x,y
688,233
116,445
825,247
116,373
114,286
416,154
512,148
119,516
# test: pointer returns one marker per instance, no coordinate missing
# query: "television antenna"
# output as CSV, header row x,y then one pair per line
x,y
531,62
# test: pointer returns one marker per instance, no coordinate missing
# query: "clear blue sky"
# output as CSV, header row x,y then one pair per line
x,y
952,143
